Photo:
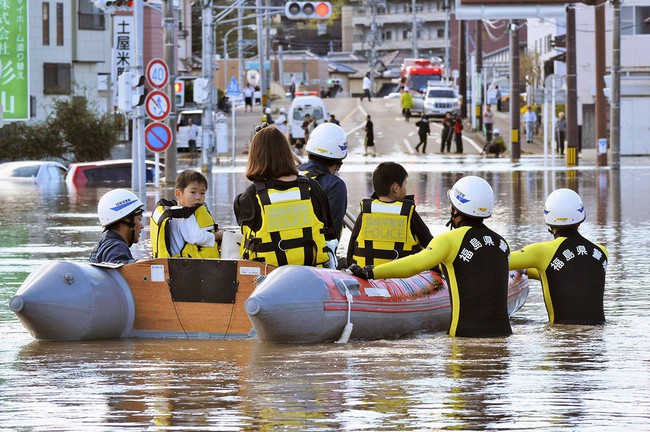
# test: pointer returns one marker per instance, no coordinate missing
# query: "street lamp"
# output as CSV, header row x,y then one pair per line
x,y
225,50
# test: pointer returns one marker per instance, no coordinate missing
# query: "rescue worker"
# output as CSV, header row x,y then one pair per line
x,y
388,226
120,214
326,149
266,117
570,267
497,146
281,122
474,262
406,100
184,227
284,217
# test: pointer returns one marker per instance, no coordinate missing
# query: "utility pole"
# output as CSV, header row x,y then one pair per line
x,y
240,41
601,103
414,29
260,52
373,42
138,172
479,75
515,121
462,59
169,30
207,72
615,115
447,41
572,94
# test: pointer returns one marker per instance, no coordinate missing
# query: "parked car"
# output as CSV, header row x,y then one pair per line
x,y
110,171
439,100
301,105
39,171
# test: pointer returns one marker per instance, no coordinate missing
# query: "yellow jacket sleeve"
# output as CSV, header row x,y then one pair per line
x,y
438,250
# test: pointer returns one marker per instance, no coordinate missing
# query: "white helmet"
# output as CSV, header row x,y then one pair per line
x,y
329,141
406,89
118,204
282,110
496,131
267,110
564,207
472,196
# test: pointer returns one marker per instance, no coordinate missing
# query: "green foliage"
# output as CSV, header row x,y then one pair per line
x,y
73,133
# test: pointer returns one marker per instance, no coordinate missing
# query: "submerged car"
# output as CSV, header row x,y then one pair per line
x,y
110,171
39,171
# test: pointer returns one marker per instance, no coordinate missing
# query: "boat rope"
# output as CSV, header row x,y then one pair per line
x,y
347,330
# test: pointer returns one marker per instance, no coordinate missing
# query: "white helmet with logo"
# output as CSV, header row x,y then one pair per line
x,y
267,110
329,141
496,131
472,196
564,207
118,204
282,110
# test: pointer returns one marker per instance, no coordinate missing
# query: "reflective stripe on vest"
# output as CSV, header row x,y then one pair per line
x,y
290,232
385,232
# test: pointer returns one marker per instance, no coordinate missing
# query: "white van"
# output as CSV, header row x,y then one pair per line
x,y
301,105
182,129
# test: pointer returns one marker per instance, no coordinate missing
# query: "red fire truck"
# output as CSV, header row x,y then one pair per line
x,y
417,74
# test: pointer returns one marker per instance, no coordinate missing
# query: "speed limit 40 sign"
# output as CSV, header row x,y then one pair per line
x,y
157,73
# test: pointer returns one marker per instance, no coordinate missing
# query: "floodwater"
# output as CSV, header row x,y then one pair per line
x,y
540,378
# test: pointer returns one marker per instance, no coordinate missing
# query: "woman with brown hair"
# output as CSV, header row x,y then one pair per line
x,y
284,217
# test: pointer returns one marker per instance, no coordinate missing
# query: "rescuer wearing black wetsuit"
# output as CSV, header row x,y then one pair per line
x,y
474,261
570,267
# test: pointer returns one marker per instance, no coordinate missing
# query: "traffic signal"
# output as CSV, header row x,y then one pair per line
x,y
299,10
137,96
201,90
114,5
179,91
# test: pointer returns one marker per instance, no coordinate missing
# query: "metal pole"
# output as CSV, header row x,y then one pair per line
x,y
169,29
554,118
462,59
373,44
447,41
572,95
139,179
207,72
615,115
267,55
414,29
515,121
260,52
479,74
240,41
601,103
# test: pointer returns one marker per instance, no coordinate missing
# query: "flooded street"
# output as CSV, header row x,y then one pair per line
x,y
540,378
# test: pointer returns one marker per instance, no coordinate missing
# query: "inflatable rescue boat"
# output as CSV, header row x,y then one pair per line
x,y
210,299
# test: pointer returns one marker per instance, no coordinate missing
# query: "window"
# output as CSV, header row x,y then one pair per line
x,y
441,33
635,20
57,78
90,17
59,24
46,23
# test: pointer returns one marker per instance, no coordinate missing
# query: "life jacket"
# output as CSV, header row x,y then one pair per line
x,y
160,234
291,233
314,172
385,232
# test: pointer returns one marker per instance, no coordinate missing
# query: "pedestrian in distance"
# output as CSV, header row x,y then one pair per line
x,y
406,100
183,226
447,133
560,133
498,98
284,217
248,98
374,240
120,214
292,87
266,116
300,143
192,136
326,149
474,261
366,85
458,133
571,268
334,120
423,133
496,147
488,122
281,122
369,142
530,118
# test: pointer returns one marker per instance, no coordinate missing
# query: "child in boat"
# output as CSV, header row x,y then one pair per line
x,y
184,227
388,226
474,261
570,267
120,213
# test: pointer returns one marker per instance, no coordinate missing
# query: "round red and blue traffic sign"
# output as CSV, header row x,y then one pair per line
x,y
157,73
157,137
157,105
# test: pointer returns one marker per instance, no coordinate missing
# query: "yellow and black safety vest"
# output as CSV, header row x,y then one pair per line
x,y
291,233
385,232
160,234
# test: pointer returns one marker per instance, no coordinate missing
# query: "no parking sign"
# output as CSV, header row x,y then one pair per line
x,y
157,137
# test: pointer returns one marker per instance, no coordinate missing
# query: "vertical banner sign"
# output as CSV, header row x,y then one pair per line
x,y
123,45
14,56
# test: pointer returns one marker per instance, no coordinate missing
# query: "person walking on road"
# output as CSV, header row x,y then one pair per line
x,y
488,122
447,133
369,142
498,97
530,118
407,103
423,132
367,84
458,134
560,133
192,136
248,98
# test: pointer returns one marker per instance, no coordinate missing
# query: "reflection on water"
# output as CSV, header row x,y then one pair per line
x,y
542,377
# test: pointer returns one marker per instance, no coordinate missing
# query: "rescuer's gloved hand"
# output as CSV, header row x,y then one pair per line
x,y
362,272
